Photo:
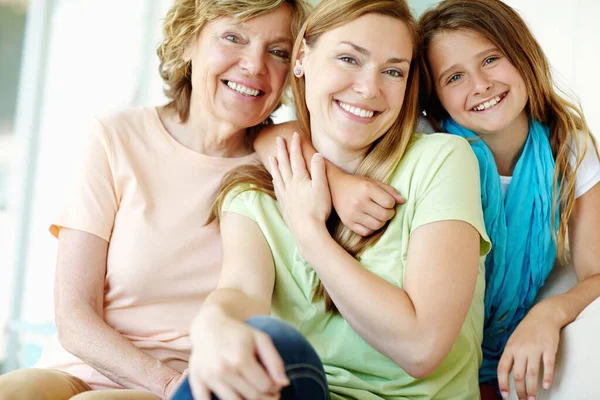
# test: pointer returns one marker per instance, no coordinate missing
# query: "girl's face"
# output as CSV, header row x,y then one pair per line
x,y
476,84
356,76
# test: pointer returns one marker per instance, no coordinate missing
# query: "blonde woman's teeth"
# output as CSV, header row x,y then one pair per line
x,y
487,104
243,89
359,112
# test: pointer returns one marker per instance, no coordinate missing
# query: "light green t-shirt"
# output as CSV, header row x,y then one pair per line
x,y
439,176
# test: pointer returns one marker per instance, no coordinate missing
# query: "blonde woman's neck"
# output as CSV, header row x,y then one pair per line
x,y
335,152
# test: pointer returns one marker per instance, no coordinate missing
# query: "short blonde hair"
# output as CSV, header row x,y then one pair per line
x,y
186,19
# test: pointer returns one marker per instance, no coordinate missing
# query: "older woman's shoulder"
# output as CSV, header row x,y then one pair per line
x,y
288,127
132,124
128,116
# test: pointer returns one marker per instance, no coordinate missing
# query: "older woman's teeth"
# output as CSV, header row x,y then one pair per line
x,y
356,111
243,89
487,104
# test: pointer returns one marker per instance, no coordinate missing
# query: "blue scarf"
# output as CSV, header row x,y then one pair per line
x,y
523,250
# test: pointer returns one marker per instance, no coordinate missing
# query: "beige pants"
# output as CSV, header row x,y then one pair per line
x,y
49,384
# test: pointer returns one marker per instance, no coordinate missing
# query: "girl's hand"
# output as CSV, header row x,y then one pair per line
x,y
303,197
534,342
234,361
363,204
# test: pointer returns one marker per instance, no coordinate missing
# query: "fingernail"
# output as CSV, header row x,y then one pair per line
x,y
318,156
504,395
295,134
546,385
531,398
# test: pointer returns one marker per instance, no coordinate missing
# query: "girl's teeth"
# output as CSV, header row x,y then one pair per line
x,y
488,104
356,111
243,89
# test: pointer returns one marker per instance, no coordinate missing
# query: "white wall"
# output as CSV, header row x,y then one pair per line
x,y
569,33
99,57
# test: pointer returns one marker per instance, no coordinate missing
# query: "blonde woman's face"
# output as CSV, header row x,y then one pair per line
x,y
356,76
476,84
239,70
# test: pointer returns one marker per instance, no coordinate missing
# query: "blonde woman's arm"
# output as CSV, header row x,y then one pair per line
x,y
415,326
226,351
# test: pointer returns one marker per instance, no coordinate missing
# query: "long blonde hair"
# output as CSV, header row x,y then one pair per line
x,y
185,20
502,26
385,153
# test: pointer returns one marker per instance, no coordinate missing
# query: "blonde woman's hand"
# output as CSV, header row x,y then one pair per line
x,y
532,344
303,196
234,361
363,204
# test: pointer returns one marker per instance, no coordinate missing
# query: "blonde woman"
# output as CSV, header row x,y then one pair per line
x,y
134,261
395,315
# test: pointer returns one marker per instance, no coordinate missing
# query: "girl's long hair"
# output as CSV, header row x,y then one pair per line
x,y
384,154
501,25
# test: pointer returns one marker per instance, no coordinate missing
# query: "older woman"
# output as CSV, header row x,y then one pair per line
x,y
135,262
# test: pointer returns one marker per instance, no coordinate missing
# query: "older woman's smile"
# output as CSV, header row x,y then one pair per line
x,y
246,89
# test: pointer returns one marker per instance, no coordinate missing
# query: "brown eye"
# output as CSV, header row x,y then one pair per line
x,y
348,60
281,54
394,73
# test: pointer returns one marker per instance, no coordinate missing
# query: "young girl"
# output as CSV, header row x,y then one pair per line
x,y
489,81
390,316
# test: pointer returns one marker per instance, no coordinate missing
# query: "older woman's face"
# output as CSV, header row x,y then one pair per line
x,y
239,70
356,76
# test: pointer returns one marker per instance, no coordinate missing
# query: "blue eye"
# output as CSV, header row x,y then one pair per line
x,y
490,60
454,78
232,38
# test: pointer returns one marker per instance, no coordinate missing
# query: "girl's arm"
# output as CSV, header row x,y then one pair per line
x,y
226,352
584,242
415,326
363,205
537,336
79,299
